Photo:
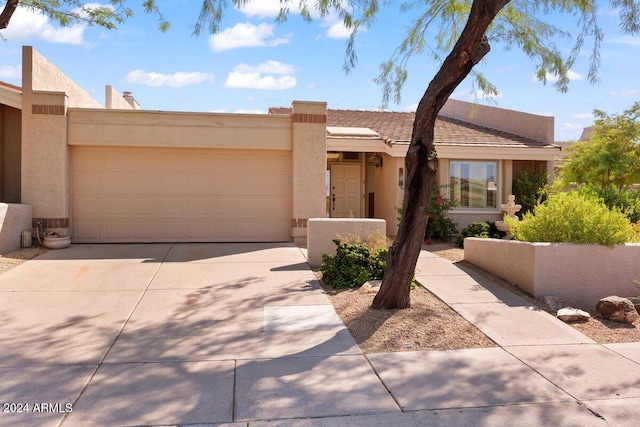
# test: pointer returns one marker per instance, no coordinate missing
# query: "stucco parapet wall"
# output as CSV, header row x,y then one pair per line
x,y
142,128
578,274
537,127
49,103
14,219
322,231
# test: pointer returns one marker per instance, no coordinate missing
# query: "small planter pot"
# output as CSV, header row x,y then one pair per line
x,y
55,241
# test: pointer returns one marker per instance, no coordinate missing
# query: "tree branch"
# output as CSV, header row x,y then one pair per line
x,y
5,16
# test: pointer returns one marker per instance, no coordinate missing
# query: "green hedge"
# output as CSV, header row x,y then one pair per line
x,y
575,217
353,265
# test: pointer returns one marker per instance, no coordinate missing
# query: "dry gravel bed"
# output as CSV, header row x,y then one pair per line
x,y
14,259
430,324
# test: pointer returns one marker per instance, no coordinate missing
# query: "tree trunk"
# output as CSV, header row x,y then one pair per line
x,y
5,16
421,162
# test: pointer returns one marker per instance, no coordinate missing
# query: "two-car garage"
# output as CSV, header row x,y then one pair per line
x,y
122,194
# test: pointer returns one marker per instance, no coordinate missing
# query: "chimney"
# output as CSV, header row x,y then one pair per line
x,y
131,100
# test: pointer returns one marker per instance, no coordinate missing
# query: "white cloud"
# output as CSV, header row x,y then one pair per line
x,y
411,108
26,24
262,76
245,35
632,93
257,81
250,111
582,116
271,8
482,95
272,67
338,30
552,78
179,79
628,40
10,72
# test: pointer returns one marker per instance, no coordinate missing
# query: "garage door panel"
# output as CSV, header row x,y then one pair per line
x,y
116,206
180,195
116,182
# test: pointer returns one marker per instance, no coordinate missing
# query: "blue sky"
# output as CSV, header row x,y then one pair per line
x,y
254,63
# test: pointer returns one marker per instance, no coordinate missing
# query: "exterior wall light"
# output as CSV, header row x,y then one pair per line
x,y
376,161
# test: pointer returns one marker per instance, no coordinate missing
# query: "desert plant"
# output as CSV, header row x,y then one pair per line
x,y
439,224
628,202
574,217
529,189
352,265
484,229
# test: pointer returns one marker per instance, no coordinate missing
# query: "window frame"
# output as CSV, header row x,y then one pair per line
x,y
498,180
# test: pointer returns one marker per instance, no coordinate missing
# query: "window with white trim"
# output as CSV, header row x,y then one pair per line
x,y
473,184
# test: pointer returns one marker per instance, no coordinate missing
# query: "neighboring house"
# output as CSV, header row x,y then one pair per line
x,y
121,174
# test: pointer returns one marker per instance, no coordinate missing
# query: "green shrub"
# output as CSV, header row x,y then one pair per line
x,y
439,225
479,229
628,202
529,189
353,265
574,217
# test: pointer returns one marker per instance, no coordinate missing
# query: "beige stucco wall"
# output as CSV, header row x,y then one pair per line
x,y
322,231
14,219
534,126
114,100
141,128
580,275
46,95
388,194
45,157
309,131
38,74
10,154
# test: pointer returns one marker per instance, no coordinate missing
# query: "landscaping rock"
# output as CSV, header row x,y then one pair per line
x,y
554,302
370,287
570,314
617,309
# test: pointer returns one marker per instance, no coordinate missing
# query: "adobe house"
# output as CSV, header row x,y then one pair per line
x,y
480,150
117,173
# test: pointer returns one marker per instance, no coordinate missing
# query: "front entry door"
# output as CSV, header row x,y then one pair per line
x,y
345,190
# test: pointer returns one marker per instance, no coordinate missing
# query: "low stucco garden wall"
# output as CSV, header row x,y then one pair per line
x,y
14,219
322,231
578,274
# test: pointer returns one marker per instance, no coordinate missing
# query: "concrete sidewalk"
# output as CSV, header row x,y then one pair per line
x,y
242,334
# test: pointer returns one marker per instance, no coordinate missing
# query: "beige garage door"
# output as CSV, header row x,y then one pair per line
x,y
180,195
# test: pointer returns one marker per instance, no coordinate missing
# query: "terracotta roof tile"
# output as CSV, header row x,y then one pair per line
x,y
396,127
9,85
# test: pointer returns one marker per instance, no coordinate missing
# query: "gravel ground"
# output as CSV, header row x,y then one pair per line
x,y
14,259
430,324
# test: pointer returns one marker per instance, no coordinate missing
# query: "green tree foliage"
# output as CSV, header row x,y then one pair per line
x,y
529,189
574,217
611,157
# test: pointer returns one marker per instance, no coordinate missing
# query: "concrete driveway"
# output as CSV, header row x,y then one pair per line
x,y
175,334
208,334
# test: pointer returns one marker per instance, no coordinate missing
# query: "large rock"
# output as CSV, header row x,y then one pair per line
x,y
570,314
617,309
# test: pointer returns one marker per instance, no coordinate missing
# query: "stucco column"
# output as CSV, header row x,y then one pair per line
x,y
551,170
309,165
45,159
507,179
